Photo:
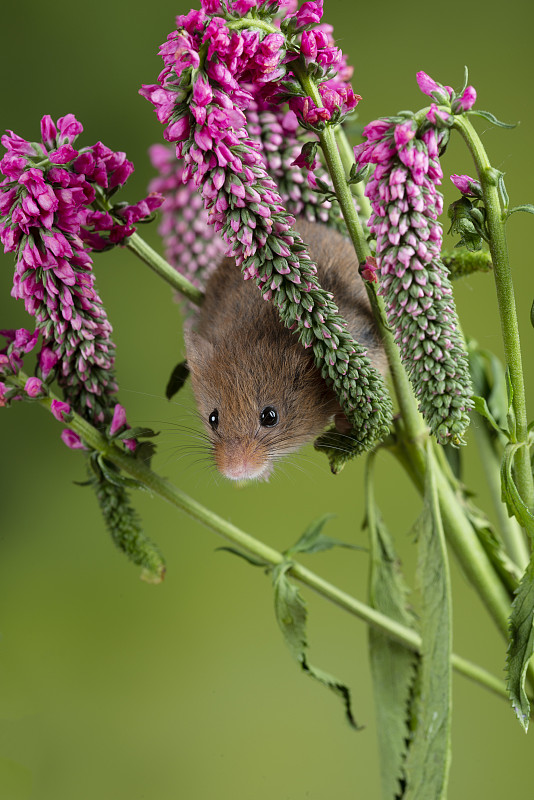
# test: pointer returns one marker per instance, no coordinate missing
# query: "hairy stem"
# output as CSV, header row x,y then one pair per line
x,y
495,221
163,488
412,429
149,256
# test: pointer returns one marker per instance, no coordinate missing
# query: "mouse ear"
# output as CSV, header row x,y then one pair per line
x,y
198,350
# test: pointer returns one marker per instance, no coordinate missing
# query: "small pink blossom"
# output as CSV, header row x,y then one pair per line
x,y
72,440
34,387
467,186
118,421
467,100
60,410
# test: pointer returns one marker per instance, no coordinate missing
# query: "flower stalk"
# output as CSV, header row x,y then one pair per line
x,y
137,469
495,222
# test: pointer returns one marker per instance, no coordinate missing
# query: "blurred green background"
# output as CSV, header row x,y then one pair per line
x,y
112,688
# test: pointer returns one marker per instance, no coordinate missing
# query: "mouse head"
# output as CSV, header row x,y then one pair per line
x,y
259,400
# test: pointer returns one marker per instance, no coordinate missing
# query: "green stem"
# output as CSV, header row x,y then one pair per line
x,y
137,469
495,221
149,256
412,428
415,426
347,157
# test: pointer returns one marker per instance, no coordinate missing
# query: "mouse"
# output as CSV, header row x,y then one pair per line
x,y
257,389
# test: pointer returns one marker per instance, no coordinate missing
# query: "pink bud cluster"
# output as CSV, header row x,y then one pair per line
x,y
204,112
49,222
419,303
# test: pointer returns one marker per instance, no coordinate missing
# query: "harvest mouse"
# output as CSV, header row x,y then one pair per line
x,y
258,390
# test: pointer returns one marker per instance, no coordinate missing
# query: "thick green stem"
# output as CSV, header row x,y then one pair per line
x,y
137,469
495,222
149,256
458,529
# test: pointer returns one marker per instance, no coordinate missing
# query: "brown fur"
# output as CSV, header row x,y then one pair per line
x,y
243,359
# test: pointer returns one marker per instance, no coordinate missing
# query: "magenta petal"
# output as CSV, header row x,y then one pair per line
x,y
118,421
72,440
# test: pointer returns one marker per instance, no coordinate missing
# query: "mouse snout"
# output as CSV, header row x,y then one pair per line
x,y
242,460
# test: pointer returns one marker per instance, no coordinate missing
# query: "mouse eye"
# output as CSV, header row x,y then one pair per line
x,y
213,418
269,417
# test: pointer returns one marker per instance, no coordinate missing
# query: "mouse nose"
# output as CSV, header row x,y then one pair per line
x,y
240,462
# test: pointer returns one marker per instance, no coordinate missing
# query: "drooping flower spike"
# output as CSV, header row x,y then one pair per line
x,y
51,222
204,112
419,303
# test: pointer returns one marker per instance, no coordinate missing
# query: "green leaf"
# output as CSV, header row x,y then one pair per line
x,y
507,569
521,645
427,763
477,112
528,207
510,493
505,200
393,666
291,616
481,407
314,541
489,381
466,81
177,379
532,314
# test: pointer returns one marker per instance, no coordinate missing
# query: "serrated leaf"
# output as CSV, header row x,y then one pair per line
x,y
314,541
521,645
291,615
256,562
393,666
477,112
527,207
428,760
177,379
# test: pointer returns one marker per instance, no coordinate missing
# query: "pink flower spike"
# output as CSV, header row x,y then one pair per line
x,y
34,387
72,440
118,421
60,410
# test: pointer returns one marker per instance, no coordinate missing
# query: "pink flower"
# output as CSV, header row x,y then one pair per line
x,y
3,389
47,361
467,186
426,83
60,410
466,101
118,421
72,440
309,13
34,387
